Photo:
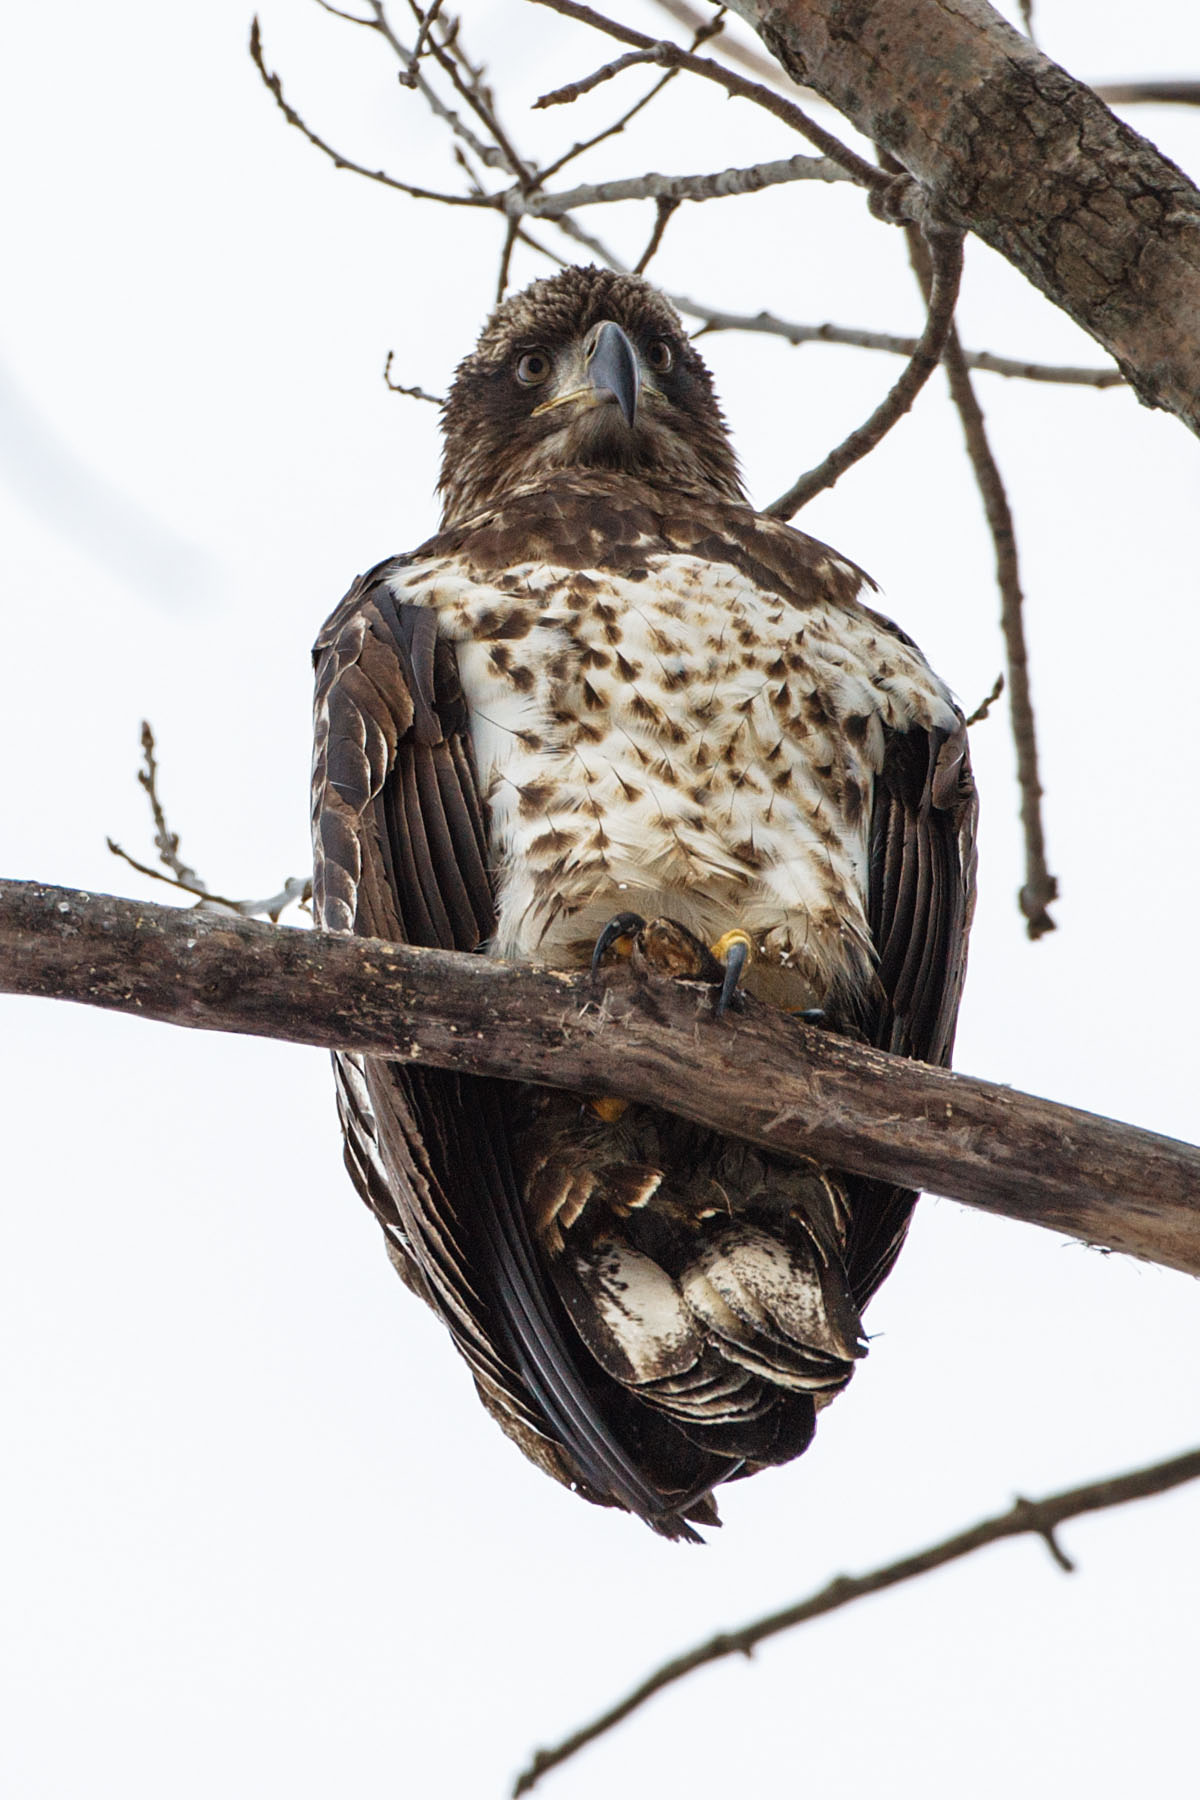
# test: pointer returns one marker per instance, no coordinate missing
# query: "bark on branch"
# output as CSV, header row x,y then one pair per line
x,y
1009,146
757,1075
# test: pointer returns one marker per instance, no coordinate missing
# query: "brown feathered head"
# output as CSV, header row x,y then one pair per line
x,y
587,370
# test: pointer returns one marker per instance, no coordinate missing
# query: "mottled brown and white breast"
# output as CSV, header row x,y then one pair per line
x,y
681,740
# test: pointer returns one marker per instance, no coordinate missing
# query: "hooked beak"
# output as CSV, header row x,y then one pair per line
x,y
612,368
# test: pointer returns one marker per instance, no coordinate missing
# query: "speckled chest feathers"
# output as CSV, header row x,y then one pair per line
x,y
677,709
611,710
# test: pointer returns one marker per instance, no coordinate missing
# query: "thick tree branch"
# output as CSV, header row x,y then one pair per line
x,y
757,1075
1040,1517
1011,147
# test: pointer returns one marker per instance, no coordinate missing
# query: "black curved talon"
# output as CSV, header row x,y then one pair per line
x,y
812,1015
733,953
625,925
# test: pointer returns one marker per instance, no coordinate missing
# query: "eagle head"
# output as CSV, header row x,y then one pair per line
x,y
586,370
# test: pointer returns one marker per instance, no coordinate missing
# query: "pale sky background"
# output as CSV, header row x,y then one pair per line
x,y
258,1537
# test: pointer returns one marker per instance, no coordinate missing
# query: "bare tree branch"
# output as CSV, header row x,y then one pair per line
x,y
398,387
703,30
1040,887
722,185
574,90
663,210
714,319
1039,1517
1007,144
759,1075
674,56
296,890
335,156
946,256
989,700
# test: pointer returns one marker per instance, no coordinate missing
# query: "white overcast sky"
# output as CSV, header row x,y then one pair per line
x,y
258,1538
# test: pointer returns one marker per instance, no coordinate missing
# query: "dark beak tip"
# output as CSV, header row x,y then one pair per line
x,y
614,369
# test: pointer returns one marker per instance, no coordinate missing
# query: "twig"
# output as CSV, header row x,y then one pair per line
x,y
422,33
1040,887
166,841
297,889
704,29
335,156
786,110
717,320
510,238
632,58
983,710
793,1088
663,208
451,58
350,18
182,876
1040,1517
946,254
414,393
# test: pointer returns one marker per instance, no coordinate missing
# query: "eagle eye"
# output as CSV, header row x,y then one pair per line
x,y
659,355
533,368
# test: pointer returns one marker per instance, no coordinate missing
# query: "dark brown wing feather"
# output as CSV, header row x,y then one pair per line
x,y
920,893
401,853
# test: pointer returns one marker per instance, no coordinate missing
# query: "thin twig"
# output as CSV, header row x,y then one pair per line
x,y
704,30
786,110
575,89
451,58
297,889
166,841
350,18
663,208
414,393
182,876
338,160
748,55
946,254
410,78
510,238
1039,1517
714,319
1040,886
983,710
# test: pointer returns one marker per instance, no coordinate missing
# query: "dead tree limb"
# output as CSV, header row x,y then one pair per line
x,y
1041,1517
1009,146
757,1075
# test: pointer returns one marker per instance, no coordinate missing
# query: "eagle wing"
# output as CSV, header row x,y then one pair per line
x,y
920,897
401,853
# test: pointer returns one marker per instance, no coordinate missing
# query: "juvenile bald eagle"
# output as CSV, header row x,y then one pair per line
x,y
611,709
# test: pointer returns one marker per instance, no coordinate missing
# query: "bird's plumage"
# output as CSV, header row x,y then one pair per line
x,y
608,684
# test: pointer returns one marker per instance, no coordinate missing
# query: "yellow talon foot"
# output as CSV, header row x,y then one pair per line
x,y
734,950
609,1108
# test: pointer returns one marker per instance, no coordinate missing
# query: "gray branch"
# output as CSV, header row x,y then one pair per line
x,y
759,1075
723,185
